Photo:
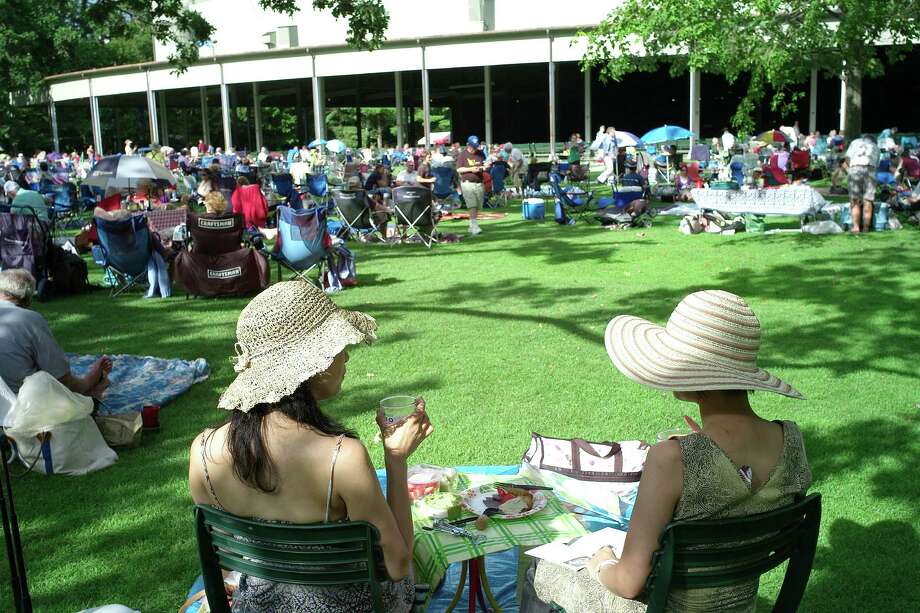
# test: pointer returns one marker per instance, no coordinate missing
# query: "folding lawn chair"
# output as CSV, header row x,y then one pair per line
x,y
62,203
303,242
123,251
498,173
90,195
218,264
773,176
414,210
25,241
318,187
443,190
576,206
353,208
537,174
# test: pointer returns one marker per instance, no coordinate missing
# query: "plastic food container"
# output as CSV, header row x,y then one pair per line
x,y
423,483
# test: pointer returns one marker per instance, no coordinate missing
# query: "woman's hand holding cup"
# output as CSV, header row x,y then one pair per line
x,y
400,440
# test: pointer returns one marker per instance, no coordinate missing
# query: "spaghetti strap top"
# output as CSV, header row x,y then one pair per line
x,y
335,457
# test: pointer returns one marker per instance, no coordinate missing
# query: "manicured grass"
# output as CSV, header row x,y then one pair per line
x,y
502,335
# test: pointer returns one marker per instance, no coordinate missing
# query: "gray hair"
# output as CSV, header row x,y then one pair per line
x,y
18,285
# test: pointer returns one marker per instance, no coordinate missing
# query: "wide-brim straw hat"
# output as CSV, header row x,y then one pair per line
x,y
710,342
286,335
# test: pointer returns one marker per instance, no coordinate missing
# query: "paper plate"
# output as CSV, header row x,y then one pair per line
x,y
473,500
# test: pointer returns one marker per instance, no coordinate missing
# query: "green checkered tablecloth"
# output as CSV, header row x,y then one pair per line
x,y
434,551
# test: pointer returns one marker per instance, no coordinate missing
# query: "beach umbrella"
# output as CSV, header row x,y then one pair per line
x,y
772,136
128,171
665,134
316,143
627,139
336,146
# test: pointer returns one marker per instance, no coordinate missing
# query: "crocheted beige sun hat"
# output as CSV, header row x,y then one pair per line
x,y
710,343
285,335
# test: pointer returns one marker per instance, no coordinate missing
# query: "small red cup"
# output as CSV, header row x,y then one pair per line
x,y
150,415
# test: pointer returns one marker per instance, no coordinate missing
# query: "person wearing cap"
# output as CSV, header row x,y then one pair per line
x,y
130,149
633,178
471,162
25,201
735,464
280,457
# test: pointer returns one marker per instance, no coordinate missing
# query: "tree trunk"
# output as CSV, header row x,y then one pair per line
x,y
853,102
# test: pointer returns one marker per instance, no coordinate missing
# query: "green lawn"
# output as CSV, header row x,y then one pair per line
x,y
502,335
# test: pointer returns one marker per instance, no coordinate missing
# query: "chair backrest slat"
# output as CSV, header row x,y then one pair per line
x,y
300,554
720,553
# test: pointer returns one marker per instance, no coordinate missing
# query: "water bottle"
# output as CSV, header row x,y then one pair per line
x,y
845,220
880,222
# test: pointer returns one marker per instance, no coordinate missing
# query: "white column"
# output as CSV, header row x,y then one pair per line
x,y
552,103
813,102
164,127
400,116
487,93
426,104
319,104
55,141
205,129
694,105
225,111
843,107
257,115
588,134
152,123
94,120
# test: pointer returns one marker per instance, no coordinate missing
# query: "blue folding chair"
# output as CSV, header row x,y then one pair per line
x,y
318,187
123,251
62,201
302,241
572,205
283,185
498,172
909,142
443,189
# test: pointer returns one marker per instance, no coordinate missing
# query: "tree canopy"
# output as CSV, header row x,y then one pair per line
x,y
69,35
773,44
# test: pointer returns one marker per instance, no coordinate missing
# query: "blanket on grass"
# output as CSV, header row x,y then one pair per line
x,y
139,380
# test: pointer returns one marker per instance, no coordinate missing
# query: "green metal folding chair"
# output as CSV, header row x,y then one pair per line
x,y
303,554
719,553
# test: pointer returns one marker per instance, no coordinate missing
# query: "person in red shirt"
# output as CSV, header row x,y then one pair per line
x,y
249,200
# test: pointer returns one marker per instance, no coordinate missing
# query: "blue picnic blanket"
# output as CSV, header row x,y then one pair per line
x,y
139,380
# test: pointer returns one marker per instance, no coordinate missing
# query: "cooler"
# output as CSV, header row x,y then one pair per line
x,y
533,208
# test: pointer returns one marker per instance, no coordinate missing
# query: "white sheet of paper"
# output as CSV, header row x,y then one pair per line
x,y
575,553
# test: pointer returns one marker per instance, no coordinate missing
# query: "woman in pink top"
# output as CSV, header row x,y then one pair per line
x,y
249,200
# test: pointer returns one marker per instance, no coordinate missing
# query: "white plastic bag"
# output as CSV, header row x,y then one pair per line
x,y
43,403
822,227
74,448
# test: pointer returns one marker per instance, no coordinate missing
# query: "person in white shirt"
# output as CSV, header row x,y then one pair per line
x,y
728,140
517,166
862,161
408,176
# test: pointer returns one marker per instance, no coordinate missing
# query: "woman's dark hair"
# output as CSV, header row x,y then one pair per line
x,y
252,463
241,180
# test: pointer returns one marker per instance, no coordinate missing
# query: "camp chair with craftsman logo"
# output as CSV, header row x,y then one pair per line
x,y
218,264
414,211
353,208
725,552
303,242
123,251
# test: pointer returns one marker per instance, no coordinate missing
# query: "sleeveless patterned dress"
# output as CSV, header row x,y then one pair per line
x,y
713,488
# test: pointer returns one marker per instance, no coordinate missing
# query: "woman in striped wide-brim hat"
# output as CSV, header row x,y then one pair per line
x,y
737,464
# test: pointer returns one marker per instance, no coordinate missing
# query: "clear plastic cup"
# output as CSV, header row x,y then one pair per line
x,y
665,435
397,408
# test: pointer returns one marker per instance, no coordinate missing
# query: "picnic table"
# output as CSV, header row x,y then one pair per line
x,y
434,551
796,200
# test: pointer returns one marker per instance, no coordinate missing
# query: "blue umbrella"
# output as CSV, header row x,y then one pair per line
x,y
317,143
335,146
666,134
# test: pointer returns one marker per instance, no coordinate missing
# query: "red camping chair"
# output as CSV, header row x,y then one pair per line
x,y
800,160
773,176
